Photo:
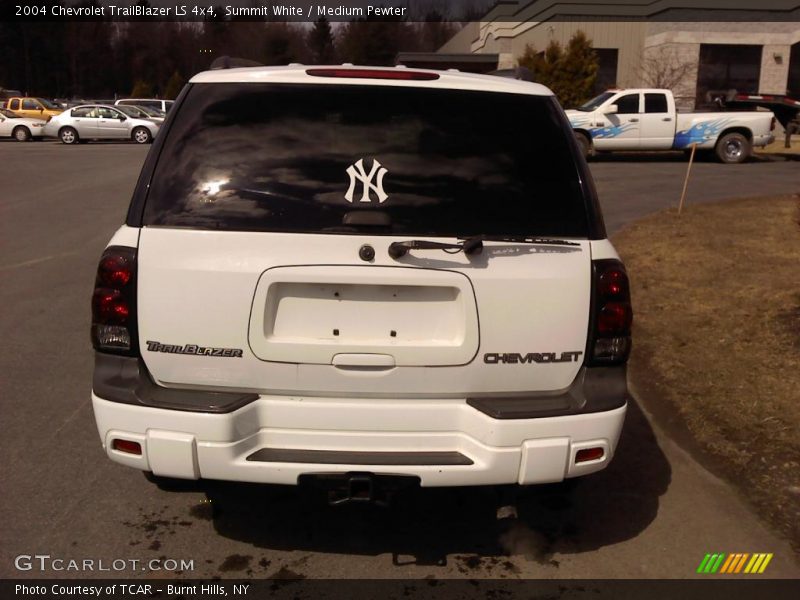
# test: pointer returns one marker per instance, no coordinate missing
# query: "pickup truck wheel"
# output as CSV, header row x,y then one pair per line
x,y
733,148
141,135
68,135
21,133
584,144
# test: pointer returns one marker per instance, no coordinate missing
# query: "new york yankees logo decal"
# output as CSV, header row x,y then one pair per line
x,y
357,172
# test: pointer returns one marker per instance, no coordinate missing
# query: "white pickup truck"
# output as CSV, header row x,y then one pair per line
x,y
646,119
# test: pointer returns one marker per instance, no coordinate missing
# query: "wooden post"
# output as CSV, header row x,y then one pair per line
x,y
686,181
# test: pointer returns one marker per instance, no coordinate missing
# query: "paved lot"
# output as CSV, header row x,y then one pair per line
x,y
654,513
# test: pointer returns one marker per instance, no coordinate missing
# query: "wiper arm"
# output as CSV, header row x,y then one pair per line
x,y
469,246
518,239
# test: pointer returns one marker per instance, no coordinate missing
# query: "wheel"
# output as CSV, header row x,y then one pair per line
x,y
22,133
141,135
733,148
584,144
68,135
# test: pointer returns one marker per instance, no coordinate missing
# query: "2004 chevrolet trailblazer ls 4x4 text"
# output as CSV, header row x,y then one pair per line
x,y
338,270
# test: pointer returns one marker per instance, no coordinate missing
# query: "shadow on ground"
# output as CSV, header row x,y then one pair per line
x,y
679,156
425,526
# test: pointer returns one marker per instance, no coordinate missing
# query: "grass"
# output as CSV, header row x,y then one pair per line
x,y
716,295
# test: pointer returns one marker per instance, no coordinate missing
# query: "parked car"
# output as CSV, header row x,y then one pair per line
x,y
19,128
646,119
99,121
5,93
140,112
162,105
296,291
33,108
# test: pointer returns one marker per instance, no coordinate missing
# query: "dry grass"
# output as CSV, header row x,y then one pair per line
x,y
716,296
777,147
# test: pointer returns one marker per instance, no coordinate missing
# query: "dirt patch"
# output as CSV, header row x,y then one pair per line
x,y
716,296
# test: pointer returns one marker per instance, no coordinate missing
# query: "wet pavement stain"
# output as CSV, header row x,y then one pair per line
x,y
235,562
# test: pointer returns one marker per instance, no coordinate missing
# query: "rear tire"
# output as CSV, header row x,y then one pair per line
x,y
584,144
732,148
141,135
21,133
68,136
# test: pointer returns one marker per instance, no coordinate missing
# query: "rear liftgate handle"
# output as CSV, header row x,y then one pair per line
x,y
368,360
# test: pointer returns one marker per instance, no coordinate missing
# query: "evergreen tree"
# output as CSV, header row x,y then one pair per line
x,y
577,71
571,74
174,86
320,43
142,89
375,42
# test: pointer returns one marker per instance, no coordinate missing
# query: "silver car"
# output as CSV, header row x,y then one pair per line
x,y
99,122
141,112
20,128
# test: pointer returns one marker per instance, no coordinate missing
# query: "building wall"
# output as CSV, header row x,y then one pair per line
x,y
642,45
461,42
775,38
625,36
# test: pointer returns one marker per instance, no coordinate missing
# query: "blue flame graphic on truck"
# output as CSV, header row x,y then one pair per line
x,y
602,132
699,133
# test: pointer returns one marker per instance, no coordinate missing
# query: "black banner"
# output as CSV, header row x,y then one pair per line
x,y
439,589
405,10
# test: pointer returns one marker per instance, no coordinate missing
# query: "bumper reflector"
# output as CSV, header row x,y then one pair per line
x,y
588,454
127,446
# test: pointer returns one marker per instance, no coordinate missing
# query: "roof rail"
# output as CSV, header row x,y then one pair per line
x,y
231,62
521,73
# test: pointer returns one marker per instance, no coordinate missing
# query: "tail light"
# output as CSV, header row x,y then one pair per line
x,y
612,315
114,302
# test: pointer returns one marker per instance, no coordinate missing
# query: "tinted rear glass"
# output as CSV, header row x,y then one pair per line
x,y
306,158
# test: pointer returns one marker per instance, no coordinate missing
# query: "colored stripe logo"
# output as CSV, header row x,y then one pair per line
x,y
735,563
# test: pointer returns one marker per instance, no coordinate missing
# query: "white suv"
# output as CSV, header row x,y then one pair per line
x,y
362,274
162,105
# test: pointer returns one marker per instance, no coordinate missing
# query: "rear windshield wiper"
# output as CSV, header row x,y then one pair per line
x,y
470,245
519,239
398,249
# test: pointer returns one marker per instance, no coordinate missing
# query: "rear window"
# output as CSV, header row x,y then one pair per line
x,y
308,158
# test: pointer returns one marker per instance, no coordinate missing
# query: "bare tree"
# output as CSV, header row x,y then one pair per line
x,y
666,68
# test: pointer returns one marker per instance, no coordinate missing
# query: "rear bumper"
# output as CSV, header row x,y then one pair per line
x,y
763,140
277,439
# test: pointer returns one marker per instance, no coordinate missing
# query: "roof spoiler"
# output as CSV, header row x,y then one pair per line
x,y
231,62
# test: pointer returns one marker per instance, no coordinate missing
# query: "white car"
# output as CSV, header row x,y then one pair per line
x,y
20,128
162,105
386,277
99,122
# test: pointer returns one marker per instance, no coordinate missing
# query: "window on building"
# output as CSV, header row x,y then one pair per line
x,y
607,61
728,67
793,85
